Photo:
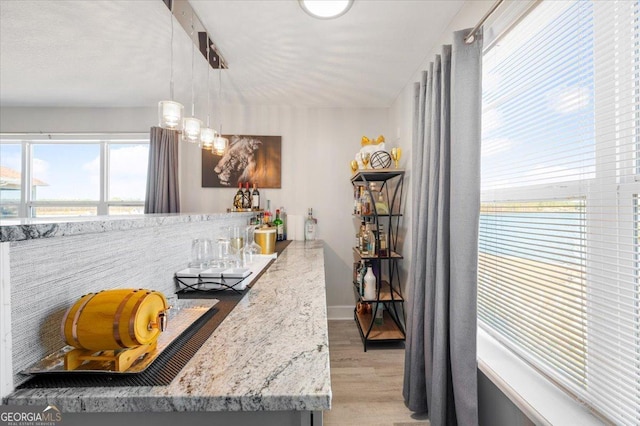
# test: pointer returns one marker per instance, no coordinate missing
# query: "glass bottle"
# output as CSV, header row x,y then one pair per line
x,y
370,285
279,226
310,227
283,216
237,199
255,197
382,243
366,203
381,204
246,197
371,241
362,237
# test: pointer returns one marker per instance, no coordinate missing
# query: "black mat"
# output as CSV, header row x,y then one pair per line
x,y
160,373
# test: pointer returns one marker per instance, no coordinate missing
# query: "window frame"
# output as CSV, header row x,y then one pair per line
x,y
26,205
622,187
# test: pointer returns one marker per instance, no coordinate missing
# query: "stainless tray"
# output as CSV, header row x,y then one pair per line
x,y
182,314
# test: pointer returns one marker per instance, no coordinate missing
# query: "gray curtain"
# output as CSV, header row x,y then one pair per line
x,y
440,359
163,195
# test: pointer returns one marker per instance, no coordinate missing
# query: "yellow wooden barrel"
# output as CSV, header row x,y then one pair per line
x,y
115,319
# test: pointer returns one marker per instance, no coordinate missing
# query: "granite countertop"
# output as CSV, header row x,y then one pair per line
x,y
29,229
270,353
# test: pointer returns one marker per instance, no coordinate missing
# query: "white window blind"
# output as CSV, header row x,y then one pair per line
x,y
559,251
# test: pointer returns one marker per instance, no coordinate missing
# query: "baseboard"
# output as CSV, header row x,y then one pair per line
x,y
340,312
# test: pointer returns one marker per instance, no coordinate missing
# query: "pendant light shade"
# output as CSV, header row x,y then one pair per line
x,y
191,130
170,115
192,125
220,145
207,136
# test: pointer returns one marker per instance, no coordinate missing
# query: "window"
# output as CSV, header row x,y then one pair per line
x,y
72,176
559,249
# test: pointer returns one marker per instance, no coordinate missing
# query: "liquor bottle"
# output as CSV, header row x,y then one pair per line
x,y
279,226
246,197
237,199
310,227
371,241
267,214
362,238
255,198
382,243
366,203
283,216
359,200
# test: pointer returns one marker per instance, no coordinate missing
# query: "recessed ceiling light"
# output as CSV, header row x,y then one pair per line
x,y
326,9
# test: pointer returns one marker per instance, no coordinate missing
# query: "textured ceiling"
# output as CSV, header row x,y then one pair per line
x,y
116,53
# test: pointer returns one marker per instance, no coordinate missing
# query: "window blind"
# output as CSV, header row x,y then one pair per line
x,y
559,246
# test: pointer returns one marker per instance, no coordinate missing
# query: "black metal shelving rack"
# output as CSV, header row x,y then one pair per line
x,y
386,269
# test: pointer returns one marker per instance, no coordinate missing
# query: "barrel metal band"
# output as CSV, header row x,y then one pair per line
x,y
76,317
132,318
116,320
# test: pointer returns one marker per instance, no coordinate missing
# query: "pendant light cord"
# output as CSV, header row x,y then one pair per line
x,y
220,97
208,93
171,56
193,96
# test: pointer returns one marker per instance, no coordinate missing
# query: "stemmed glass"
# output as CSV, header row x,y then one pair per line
x,y
251,248
365,159
396,153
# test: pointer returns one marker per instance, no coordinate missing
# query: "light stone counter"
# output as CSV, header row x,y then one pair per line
x,y
270,354
29,229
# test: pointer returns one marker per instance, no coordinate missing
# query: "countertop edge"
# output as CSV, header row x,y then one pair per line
x,y
12,230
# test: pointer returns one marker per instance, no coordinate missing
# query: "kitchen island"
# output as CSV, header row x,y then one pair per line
x,y
267,363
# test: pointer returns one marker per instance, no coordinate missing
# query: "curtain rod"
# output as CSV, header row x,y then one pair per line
x,y
471,37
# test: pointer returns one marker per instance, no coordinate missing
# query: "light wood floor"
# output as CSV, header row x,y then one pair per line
x,y
367,386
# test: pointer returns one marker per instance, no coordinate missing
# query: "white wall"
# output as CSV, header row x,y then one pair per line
x,y
77,120
317,146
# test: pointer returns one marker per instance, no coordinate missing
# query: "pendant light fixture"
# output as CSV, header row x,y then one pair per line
x,y
208,134
220,144
192,125
170,112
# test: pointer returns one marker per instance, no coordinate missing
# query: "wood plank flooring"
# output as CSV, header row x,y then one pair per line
x,y
367,386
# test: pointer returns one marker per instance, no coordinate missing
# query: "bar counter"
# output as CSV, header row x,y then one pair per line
x,y
270,354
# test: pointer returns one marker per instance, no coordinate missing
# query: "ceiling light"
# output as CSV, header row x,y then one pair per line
x,y
326,9
220,143
170,112
208,134
192,125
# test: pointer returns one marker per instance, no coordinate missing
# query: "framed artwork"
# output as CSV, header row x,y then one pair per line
x,y
248,159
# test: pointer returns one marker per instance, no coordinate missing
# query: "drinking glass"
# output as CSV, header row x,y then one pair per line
x,y
223,249
201,253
